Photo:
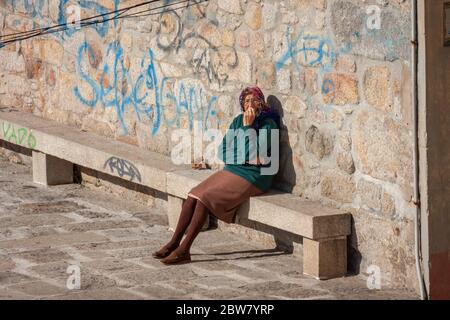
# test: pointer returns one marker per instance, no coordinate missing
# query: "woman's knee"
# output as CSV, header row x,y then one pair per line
x,y
190,201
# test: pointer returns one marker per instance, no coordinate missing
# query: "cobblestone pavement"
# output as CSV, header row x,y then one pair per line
x,y
43,231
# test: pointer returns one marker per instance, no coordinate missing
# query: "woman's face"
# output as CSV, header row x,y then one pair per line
x,y
251,102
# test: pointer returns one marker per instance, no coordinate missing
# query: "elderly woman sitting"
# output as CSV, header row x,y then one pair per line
x,y
224,191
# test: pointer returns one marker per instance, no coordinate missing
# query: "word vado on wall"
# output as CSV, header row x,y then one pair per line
x,y
163,101
18,135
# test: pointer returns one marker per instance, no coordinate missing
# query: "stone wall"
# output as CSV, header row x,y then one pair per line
x,y
341,83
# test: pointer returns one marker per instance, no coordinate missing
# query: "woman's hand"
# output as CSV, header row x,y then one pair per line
x,y
249,117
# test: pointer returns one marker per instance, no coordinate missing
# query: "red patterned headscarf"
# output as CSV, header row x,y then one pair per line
x,y
257,93
266,110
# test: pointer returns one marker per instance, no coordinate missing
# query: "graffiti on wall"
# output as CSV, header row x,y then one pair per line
x,y
311,51
97,9
147,96
208,58
123,168
19,135
107,81
38,11
32,8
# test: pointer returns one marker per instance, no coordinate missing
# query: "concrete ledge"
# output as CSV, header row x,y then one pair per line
x,y
54,146
180,182
325,259
49,170
86,149
280,210
324,230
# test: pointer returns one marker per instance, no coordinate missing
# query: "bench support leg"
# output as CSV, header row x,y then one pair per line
x,y
173,212
49,170
325,259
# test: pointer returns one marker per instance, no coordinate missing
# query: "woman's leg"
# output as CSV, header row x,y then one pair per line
x,y
196,225
186,214
182,253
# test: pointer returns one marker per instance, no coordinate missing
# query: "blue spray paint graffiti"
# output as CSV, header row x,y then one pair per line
x,y
328,86
36,9
148,97
101,28
310,50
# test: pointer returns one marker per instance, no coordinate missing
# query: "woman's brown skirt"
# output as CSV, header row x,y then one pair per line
x,y
223,192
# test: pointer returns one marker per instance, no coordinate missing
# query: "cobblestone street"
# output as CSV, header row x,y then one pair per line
x,y
43,231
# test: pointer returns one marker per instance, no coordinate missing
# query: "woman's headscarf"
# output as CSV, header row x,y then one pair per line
x,y
266,110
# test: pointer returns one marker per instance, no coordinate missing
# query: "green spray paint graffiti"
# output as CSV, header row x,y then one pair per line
x,y
20,136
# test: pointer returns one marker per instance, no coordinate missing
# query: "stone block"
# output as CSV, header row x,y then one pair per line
x,y
390,42
338,187
257,46
49,170
231,6
174,205
346,64
325,259
295,106
344,161
211,32
253,16
49,50
375,198
243,70
269,15
11,61
308,81
377,87
340,89
318,143
305,4
284,80
382,148
265,75
228,38
302,217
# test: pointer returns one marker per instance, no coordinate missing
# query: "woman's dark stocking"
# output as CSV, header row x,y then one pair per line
x,y
182,253
184,220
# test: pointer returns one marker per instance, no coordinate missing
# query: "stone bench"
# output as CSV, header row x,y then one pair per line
x,y
57,147
324,230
